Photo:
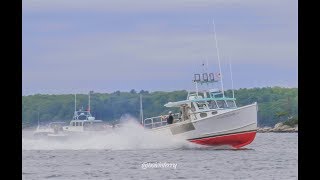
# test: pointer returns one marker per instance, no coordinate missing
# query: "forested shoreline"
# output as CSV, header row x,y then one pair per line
x,y
276,104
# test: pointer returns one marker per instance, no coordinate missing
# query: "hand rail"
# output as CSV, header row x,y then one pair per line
x,y
160,120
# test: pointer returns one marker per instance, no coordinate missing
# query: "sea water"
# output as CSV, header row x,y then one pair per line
x,y
132,153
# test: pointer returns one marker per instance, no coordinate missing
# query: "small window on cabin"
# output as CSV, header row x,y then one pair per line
x,y
214,112
231,103
73,124
77,124
221,104
212,105
201,105
203,115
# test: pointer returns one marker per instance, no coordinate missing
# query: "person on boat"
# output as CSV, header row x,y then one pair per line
x,y
170,118
180,113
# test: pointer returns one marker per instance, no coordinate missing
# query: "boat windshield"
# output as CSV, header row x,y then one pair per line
x,y
212,104
221,104
231,103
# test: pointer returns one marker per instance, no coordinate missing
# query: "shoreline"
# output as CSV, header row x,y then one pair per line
x,y
279,128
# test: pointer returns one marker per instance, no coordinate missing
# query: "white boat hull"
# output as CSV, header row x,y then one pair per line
x,y
234,127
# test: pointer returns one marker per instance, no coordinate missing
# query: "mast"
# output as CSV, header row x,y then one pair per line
x,y
141,110
38,121
89,108
197,89
207,67
75,102
215,38
231,78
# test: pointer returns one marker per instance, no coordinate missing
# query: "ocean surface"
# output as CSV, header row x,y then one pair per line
x,y
133,154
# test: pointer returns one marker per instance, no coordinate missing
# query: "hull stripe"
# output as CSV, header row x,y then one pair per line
x,y
235,140
221,135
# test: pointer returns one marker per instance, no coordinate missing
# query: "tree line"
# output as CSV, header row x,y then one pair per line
x,y
276,104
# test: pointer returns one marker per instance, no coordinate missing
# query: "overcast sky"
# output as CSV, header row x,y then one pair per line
x,y
76,46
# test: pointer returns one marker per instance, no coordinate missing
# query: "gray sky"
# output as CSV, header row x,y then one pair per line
x,y
76,46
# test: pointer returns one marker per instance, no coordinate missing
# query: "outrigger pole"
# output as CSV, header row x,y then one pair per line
x,y
231,78
215,38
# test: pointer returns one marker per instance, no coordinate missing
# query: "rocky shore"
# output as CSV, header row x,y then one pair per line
x,y
279,127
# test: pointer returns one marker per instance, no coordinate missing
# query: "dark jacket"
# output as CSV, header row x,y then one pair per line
x,y
170,119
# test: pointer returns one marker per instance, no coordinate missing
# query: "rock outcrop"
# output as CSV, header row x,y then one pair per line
x,y
279,127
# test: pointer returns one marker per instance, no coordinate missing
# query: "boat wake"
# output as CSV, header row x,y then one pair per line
x,y
130,136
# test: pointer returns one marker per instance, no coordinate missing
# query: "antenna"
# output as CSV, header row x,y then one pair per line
x,y
215,38
141,110
231,78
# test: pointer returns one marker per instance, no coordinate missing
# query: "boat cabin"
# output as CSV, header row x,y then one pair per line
x,y
84,121
198,105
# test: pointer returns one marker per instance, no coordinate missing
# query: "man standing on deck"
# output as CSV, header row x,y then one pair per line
x,y
170,118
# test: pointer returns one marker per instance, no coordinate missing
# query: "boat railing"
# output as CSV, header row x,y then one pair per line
x,y
158,121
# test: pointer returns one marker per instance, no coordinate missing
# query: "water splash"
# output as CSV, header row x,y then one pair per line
x,y
131,136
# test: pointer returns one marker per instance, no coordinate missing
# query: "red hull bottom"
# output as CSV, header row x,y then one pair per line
x,y
236,140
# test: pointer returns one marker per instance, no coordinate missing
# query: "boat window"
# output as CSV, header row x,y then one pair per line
x,y
231,103
201,105
221,104
203,115
77,123
73,124
212,105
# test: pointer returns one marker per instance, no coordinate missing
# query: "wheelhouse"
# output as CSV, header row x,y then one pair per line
x,y
198,105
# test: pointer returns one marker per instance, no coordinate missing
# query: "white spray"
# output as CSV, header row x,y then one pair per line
x,y
131,136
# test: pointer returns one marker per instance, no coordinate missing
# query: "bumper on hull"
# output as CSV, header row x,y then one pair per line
x,y
236,140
